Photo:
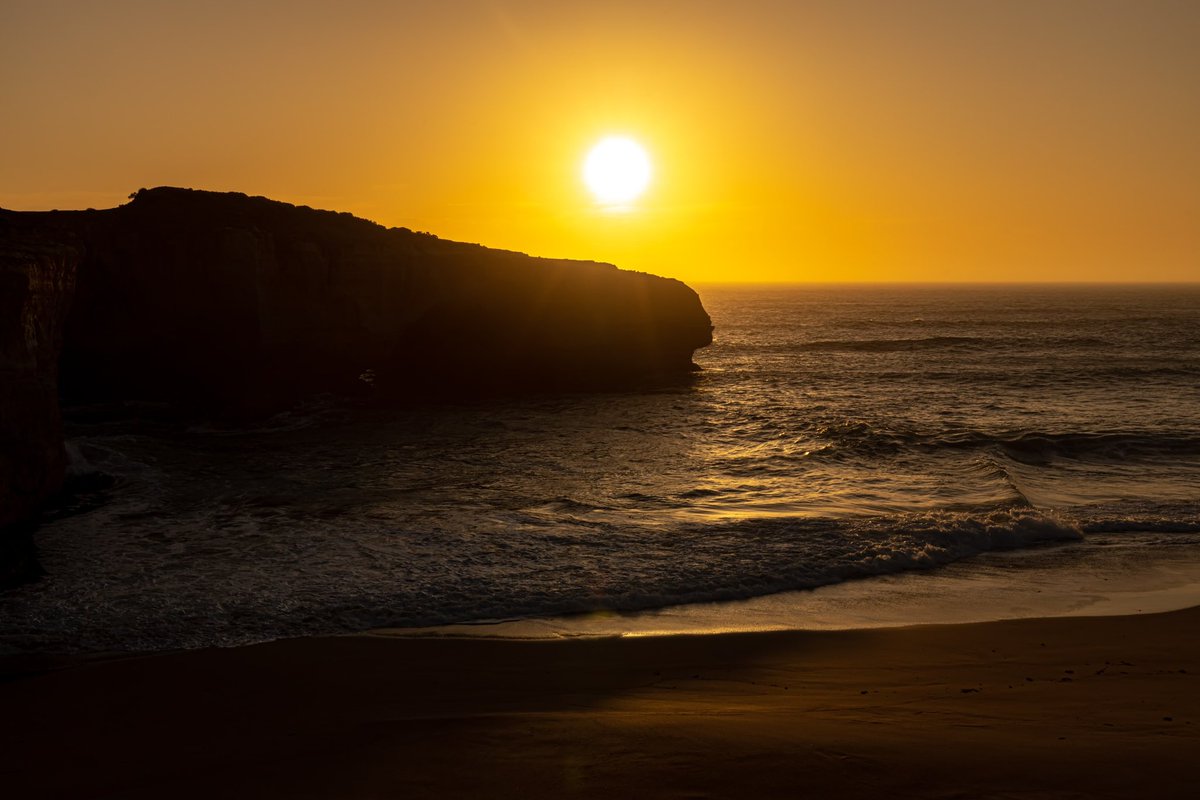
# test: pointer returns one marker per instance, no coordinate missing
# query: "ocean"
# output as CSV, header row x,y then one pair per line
x,y
995,450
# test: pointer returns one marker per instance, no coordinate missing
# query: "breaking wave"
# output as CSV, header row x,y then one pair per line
x,y
853,436
552,572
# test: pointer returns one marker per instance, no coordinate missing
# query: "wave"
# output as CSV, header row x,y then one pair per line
x,y
1036,447
943,342
1140,517
553,571
1180,369
739,559
893,345
858,438
829,550
540,572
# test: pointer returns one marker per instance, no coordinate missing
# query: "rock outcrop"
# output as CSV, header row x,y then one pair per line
x,y
246,304
237,305
37,280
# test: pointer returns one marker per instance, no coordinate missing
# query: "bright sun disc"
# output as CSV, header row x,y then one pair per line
x,y
616,170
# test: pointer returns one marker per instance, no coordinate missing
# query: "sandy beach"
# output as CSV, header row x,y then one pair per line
x,y
1083,707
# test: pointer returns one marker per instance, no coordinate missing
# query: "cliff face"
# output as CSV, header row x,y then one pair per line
x,y
37,279
249,303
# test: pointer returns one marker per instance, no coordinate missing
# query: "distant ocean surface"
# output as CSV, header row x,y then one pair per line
x,y
834,434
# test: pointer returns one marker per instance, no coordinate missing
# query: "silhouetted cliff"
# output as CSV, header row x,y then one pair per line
x,y
205,297
238,305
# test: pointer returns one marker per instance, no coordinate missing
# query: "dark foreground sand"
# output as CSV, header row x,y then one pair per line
x,y
1086,707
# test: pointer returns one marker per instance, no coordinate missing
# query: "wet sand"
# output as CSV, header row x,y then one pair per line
x,y
1070,707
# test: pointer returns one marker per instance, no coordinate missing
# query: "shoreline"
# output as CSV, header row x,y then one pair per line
x,y
1032,583
1061,707
1102,576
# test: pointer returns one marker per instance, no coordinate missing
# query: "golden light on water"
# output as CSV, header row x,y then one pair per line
x,y
617,171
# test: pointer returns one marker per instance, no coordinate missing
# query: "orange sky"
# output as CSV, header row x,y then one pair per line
x,y
792,141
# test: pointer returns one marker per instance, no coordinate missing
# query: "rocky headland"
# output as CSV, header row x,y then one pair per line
x,y
230,305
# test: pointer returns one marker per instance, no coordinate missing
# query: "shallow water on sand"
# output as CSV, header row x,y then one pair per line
x,y
1102,576
835,433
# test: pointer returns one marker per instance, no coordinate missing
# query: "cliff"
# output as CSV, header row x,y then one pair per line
x,y
248,303
238,305
37,278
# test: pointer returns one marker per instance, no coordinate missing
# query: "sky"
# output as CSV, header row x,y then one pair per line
x,y
949,140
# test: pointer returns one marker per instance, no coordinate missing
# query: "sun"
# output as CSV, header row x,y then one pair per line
x,y
617,171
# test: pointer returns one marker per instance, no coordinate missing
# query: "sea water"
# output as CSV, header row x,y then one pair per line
x,y
974,446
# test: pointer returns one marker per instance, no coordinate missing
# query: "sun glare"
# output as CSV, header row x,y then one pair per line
x,y
617,171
